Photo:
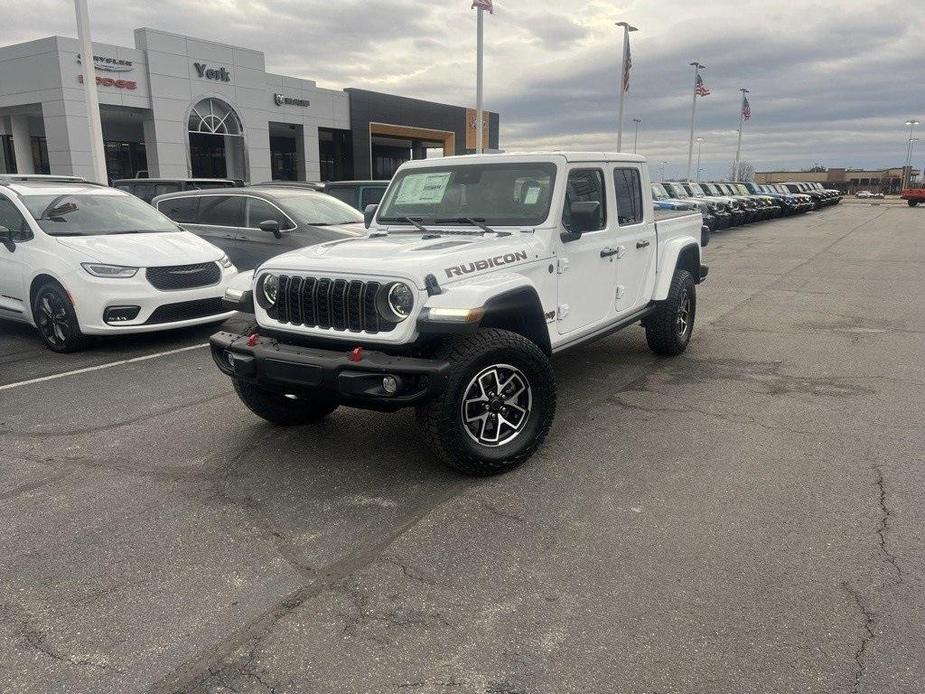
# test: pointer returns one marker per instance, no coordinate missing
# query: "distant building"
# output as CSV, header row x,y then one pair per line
x,y
177,106
886,181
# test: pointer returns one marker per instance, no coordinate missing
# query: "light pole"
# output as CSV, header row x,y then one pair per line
x,y
624,81
907,164
699,150
912,141
636,134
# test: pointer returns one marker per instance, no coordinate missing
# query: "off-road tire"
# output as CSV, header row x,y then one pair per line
x,y
441,419
281,410
663,331
912,203
56,320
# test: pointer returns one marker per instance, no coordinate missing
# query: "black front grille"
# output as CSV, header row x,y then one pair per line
x,y
186,310
184,276
322,302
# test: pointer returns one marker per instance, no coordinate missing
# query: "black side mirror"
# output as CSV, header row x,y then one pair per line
x,y
271,226
584,216
369,214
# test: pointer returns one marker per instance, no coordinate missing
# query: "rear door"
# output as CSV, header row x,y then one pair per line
x,y
219,219
259,246
14,261
636,233
587,272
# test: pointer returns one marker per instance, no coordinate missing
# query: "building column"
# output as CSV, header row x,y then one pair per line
x,y
311,152
67,133
22,144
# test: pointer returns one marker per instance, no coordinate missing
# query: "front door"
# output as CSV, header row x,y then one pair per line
x,y
587,264
636,269
13,293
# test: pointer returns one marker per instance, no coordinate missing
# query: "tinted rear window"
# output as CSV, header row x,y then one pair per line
x,y
180,210
222,210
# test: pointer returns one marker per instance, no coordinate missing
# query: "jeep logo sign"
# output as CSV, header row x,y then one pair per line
x,y
479,265
205,72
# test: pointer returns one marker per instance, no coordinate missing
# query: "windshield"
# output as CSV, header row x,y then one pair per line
x,y
741,189
678,190
318,209
503,194
696,189
94,214
659,192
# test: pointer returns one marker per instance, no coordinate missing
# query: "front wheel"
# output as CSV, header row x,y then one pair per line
x,y
284,410
56,320
668,330
497,406
913,203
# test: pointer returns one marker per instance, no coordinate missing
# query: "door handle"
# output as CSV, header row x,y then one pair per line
x,y
642,244
608,252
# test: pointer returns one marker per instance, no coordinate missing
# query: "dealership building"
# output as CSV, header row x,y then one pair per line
x,y
175,106
886,181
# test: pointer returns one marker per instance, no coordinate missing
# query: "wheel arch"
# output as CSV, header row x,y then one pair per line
x,y
520,311
684,255
34,286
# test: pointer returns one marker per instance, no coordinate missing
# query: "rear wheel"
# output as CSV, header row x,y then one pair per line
x,y
497,406
284,410
913,203
669,329
56,320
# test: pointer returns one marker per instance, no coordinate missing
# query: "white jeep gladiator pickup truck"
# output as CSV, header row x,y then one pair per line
x,y
475,271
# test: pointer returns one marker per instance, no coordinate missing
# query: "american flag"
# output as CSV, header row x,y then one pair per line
x,y
746,108
701,88
627,64
483,5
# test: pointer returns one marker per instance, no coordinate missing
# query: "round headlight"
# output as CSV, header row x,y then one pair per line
x,y
270,290
399,302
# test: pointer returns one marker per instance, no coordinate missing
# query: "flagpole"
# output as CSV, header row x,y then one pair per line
x,y
480,46
690,149
739,145
623,85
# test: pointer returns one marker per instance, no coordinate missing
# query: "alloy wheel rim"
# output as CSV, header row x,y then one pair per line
x,y
52,319
496,405
684,313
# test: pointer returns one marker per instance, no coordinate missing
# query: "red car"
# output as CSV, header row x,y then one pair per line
x,y
913,196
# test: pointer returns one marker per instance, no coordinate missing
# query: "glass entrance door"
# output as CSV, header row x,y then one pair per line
x,y
207,155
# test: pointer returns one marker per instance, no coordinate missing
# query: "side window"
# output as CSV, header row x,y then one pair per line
x,y
164,188
144,191
180,210
222,211
628,187
347,195
371,196
585,185
261,211
12,219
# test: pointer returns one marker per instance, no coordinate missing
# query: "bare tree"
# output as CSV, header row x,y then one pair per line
x,y
746,172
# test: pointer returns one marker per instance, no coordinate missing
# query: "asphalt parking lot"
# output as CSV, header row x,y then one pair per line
x,y
745,518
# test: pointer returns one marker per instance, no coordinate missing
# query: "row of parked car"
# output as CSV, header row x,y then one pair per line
x,y
79,259
725,204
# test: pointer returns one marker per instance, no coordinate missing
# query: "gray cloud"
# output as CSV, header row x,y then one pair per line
x,y
831,81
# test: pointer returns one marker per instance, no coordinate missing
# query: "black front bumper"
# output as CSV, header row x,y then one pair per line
x,y
293,369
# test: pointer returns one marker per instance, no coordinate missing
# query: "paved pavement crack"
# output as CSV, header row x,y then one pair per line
x,y
884,526
868,635
33,486
491,508
195,674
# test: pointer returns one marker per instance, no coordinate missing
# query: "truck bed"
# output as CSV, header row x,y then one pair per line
x,y
663,215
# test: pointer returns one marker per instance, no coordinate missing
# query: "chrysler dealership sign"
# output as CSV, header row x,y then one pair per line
x,y
107,64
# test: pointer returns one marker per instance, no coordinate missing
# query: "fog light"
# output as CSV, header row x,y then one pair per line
x,y
390,385
121,314
229,357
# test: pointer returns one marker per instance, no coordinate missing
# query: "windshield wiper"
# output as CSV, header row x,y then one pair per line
x,y
474,221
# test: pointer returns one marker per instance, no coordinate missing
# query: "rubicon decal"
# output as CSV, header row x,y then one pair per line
x,y
479,265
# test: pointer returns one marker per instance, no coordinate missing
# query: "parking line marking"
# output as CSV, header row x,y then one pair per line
x,y
102,366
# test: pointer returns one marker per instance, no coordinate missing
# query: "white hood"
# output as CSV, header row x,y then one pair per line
x,y
412,256
156,249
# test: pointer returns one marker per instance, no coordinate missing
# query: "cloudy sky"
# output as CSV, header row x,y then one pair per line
x,y
831,81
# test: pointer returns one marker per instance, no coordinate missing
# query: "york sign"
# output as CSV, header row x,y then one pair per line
x,y
205,72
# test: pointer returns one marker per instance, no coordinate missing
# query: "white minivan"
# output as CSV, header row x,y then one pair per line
x,y
79,259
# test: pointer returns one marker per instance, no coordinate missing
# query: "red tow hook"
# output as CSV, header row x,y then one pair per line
x,y
253,340
356,354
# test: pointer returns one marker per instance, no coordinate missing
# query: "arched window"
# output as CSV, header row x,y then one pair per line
x,y
214,117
